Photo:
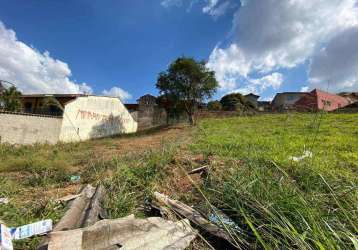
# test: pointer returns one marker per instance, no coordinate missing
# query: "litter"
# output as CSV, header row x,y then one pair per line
x,y
306,154
4,200
219,218
75,178
7,235
5,238
26,231
126,233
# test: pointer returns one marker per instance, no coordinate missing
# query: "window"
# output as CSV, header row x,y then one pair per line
x,y
326,103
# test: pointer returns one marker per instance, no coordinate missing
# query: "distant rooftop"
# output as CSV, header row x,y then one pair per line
x,y
53,95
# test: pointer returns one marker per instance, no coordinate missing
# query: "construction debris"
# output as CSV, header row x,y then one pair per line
x,y
194,216
85,210
126,233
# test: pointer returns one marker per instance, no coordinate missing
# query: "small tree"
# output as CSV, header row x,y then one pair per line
x,y
10,99
214,106
190,82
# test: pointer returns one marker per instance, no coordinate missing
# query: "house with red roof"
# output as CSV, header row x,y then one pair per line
x,y
320,100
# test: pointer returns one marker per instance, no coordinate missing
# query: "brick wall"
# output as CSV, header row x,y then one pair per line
x,y
28,129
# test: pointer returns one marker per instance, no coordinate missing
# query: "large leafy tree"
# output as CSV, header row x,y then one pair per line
x,y
10,99
190,82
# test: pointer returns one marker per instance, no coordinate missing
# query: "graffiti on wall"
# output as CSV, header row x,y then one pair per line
x,y
89,115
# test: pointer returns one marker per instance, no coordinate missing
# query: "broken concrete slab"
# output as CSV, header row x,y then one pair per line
x,y
126,233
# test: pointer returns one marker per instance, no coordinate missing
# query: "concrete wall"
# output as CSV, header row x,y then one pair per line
x,y
150,116
29,129
94,117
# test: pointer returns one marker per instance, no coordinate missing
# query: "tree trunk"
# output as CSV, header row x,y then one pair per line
x,y
191,118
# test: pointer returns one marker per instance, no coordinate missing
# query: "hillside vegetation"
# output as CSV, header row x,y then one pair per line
x,y
276,202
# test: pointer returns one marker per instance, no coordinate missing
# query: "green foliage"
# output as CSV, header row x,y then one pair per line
x,y
189,81
279,203
134,179
10,99
172,106
236,102
214,106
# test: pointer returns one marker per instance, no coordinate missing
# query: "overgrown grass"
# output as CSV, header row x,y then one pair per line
x,y
129,179
279,203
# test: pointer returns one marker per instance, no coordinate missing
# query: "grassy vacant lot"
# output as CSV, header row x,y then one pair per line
x,y
277,203
310,204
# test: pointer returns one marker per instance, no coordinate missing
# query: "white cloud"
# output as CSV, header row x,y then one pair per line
x,y
117,92
273,34
170,3
304,89
32,71
210,5
274,80
335,67
214,8
259,85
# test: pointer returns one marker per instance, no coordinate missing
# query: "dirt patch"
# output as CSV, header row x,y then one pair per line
x,y
108,148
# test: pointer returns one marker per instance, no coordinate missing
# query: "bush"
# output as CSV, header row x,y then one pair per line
x,y
235,102
214,106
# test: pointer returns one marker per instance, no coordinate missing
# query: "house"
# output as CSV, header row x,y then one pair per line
x,y
351,108
253,98
264,105
352,97
39,104
286,100
320,100
147,100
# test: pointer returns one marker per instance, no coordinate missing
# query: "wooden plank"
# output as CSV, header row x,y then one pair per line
x,y
194,216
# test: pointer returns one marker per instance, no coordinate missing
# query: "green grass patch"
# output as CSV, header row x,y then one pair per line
x,y
279,203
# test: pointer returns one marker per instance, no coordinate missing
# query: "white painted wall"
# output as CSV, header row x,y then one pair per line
x,y
29,129
94,117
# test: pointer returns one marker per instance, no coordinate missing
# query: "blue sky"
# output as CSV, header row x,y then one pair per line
x,y
98,45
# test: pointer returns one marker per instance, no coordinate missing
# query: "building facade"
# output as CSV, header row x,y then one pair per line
x,y
320,100
286,100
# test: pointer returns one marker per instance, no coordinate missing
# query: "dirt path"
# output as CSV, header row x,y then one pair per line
x,y
110,147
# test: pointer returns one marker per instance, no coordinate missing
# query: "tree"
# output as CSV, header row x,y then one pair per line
x,y
52,106
232,102
190,82
10,99
172,106
214,106
237,102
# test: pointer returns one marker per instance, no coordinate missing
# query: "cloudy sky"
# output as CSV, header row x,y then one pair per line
x,y
118,47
